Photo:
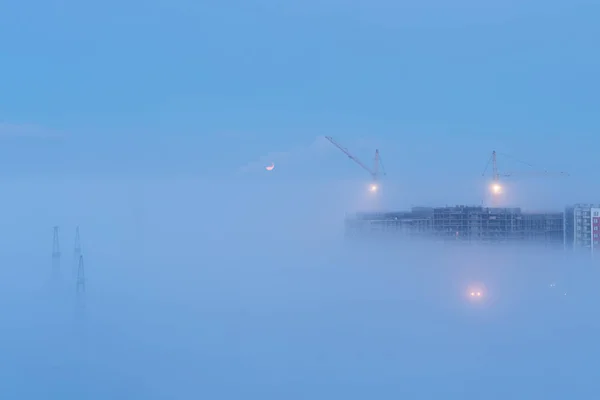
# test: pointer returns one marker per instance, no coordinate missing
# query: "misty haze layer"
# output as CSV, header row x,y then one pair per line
x,y
251,291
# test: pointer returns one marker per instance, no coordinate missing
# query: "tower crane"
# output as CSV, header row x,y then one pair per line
x,y
374,172
496,187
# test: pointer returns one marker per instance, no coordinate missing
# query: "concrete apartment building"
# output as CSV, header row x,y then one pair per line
x,y
581,224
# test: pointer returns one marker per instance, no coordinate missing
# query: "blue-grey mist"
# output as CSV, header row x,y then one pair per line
x,y
247,289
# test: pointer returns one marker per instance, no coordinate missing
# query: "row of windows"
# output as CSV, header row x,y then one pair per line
x,y
586,213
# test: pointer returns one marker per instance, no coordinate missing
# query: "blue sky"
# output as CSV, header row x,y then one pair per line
x,y
203,88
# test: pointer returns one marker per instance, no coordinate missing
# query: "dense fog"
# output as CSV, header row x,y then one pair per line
x,y
148,125
251,290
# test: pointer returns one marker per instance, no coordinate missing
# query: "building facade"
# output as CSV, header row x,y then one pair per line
x,y
595,229
474,224
579,226
415,223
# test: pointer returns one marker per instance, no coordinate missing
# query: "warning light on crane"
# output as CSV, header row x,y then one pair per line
x,y
374,172
495,187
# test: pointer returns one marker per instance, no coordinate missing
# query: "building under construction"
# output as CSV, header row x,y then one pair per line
x,y
477,224
462,223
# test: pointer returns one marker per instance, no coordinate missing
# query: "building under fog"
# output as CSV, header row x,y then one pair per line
x,y
474,224
581,226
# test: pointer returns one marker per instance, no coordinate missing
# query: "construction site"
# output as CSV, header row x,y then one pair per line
x,y
462,223
575,227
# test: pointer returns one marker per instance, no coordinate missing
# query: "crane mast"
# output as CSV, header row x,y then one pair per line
x,y
376,165
495,175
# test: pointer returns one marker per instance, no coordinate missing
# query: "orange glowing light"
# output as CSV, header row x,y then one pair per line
x,y
475,292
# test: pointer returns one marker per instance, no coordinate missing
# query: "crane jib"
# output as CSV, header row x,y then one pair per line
x,y
373,172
